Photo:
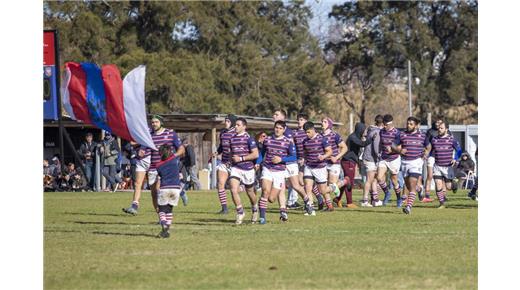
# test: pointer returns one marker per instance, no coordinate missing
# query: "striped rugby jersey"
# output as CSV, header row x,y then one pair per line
x,y
314,147
414,143
388,138
334,139
242,145
442,149
224,146
282,147
169,137
168,170
299,135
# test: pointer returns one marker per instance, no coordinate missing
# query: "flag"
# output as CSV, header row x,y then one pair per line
x,y
99,97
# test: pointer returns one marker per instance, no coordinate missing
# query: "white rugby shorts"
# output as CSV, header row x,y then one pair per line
x,y
393,165
168,196
443,171
431,161
276,177
247,177
320,175
334,169
413,167
291,170
224,167
370,165
143,165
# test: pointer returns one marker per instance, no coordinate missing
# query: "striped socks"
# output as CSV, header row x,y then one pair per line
x,y
384,187
135,204
328,201
441,196
263,206
398,192
223,199
318,194
240,210
411,199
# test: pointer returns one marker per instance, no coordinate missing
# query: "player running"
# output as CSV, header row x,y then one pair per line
x,y
291,166
442,147
224,169
243,154
160,136
170,188
316,151
339,149
390,159
277,151
412,143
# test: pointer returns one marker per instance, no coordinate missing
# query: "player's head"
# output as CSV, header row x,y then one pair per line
x,y
71,166
230,121
241,125
378,120
302,119
89,137
157,122
411,124
309,129
438,121
165,151
443,128
326,123
388,121
279,115
279,128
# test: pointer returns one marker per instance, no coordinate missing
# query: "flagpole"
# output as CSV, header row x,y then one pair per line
x,y
58,81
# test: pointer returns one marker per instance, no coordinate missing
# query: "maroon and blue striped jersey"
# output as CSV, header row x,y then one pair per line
x,y
224,147
334,139
442,149
169,137
168,170
283,147
242,145
388,138
313,147
299,135
414,143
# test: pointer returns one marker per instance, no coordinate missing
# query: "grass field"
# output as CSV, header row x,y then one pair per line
x,y
89,243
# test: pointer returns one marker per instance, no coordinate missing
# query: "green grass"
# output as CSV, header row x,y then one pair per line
x,y
89,243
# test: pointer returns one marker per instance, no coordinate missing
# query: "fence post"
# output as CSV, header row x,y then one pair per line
x,y
351,121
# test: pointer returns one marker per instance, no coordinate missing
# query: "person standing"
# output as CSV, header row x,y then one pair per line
x,y
224,168
189,161
87,152
110,152
370,162
350,161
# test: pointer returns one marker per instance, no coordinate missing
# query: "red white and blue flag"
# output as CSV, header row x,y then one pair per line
x,y
99,97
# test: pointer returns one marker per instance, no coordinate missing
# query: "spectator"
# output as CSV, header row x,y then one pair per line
x,y
48,179
73,178
189,164
87,152
130,151
465,167
109,149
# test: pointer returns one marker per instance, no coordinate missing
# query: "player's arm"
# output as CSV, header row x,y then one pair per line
x,y
396,144
427,150
179,148
328,153
291,151
251,156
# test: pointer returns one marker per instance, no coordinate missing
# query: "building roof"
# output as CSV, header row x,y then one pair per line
x,y
197,122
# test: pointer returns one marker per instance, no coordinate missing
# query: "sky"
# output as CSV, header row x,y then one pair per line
x,y
320,11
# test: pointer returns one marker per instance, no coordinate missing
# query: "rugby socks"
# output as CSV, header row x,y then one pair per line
x,y
135,205
318,194
165,215
441,196
375,195
240,210
283,210
254,208
328,201
384,187
398,192
223,199
411,199
263,206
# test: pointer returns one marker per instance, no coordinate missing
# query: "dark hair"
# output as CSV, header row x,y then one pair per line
x,y
284,113
412,118
232,118
243,120
165,151
281,123
379,120
308,125
387,118
303,115
88,134
446,124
